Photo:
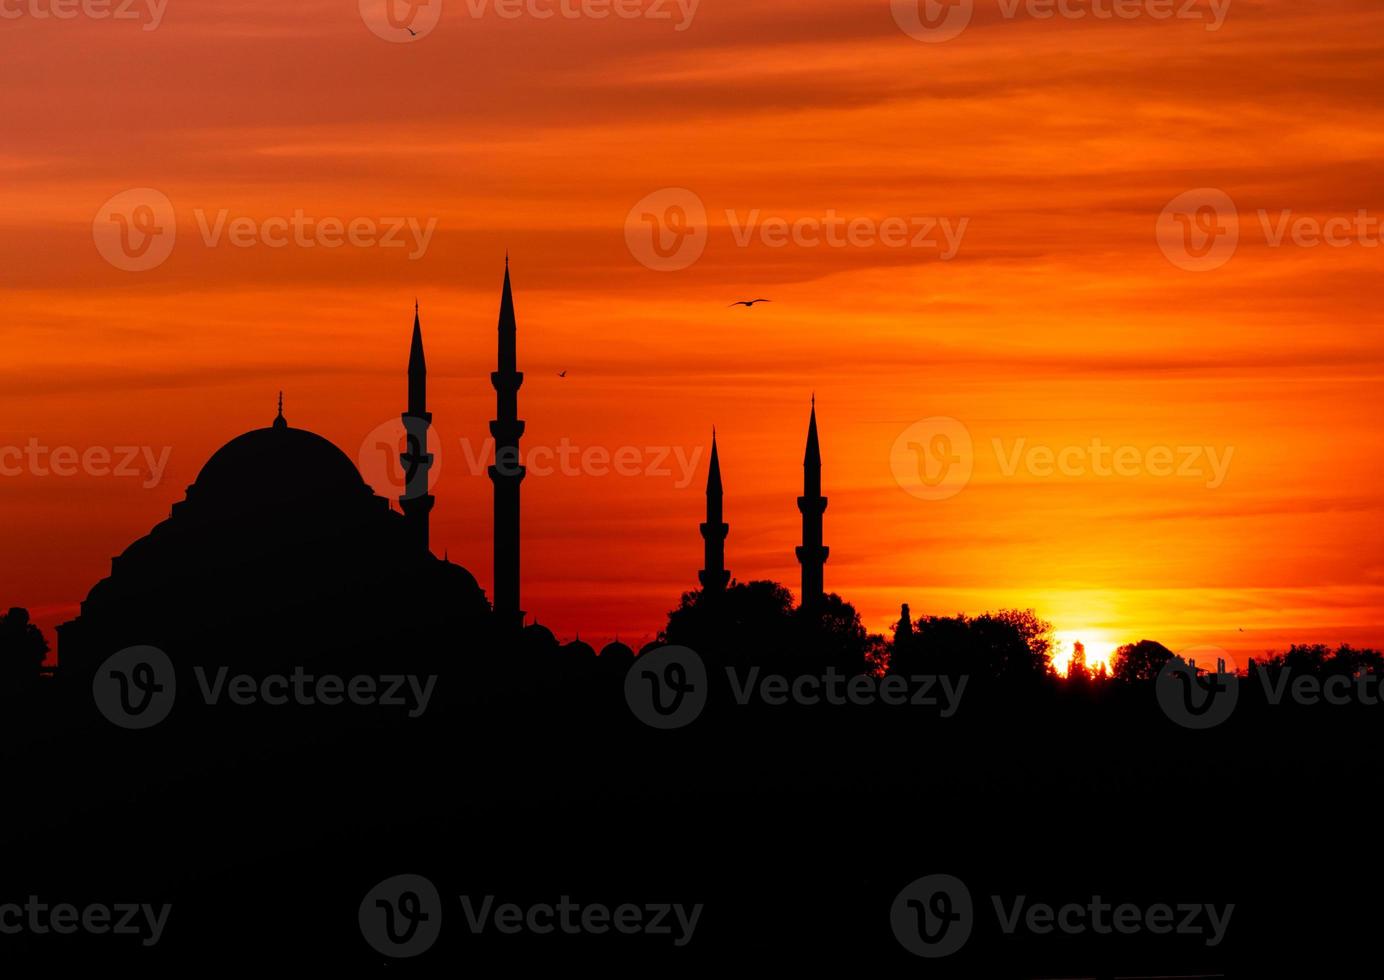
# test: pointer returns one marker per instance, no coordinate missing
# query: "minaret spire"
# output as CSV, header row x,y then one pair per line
x,y
417,502
812,554
713,575
508,471
279,421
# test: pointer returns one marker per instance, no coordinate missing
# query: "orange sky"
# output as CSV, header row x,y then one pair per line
x,y
1058,321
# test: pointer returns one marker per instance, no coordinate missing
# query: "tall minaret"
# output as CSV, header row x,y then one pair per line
x,y
713,575
812,554
508,472
416,502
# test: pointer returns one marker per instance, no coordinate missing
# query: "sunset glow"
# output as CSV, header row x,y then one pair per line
x,y
1187,456
1099,647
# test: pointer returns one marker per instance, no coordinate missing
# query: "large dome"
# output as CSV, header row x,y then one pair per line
x,y
276,465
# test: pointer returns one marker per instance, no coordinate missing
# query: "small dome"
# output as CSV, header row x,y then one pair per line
x,y
580,648
536,635
617,651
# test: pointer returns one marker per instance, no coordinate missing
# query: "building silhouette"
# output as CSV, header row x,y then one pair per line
x,y
812,554
280,552
713,576
417,502
508,471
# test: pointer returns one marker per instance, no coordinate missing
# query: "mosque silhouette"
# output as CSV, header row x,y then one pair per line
x,y
280,551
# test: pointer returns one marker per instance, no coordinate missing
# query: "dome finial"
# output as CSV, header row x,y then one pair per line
x,y
279,421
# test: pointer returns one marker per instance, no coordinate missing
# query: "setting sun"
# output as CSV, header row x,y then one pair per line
x,y
1097,644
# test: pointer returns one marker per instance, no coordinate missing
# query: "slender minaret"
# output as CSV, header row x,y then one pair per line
x,y
812,554
508,472
416,502
713,575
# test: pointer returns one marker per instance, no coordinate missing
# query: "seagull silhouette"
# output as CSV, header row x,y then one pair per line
x,y
562,374
749,302
411,31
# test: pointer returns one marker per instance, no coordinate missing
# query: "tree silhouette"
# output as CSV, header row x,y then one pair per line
x,y
1140,661
757,623
22,649
1010,645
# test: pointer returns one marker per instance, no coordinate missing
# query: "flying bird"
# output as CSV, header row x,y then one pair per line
x,y
749,302
411,31
562,374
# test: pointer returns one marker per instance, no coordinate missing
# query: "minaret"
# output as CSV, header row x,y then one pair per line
x,y
416,502
508,472
713,575
812,554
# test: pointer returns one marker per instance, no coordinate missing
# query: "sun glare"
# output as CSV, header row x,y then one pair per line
x,y
1098,645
